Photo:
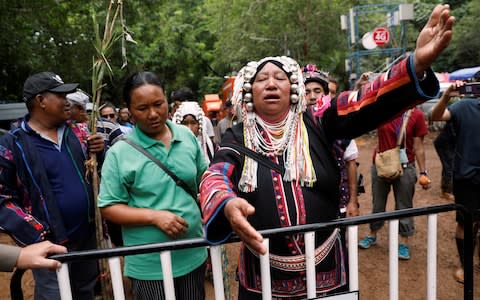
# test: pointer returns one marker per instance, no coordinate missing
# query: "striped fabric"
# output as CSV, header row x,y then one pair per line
x,y
111,132
188,287
348,102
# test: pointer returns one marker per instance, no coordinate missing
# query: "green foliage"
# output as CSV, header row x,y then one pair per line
x,y
463,50
196,42
307,30
42,35
465,44
174,44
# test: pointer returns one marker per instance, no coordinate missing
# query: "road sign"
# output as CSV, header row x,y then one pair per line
x,y
381,36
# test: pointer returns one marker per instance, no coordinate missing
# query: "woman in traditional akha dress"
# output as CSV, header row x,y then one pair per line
x,y
276,168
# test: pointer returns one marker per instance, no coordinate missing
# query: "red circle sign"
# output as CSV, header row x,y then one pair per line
x,y
381,36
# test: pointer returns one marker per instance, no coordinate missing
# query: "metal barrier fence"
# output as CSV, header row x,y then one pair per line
x,y
309,230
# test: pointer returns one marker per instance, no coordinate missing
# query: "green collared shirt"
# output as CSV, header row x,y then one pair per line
x,y
129,177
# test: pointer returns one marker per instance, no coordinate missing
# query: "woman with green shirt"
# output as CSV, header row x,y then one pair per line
x,y
137,194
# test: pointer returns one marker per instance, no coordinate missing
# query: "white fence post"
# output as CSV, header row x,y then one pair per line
x,y
393,258
310,264
265,271
168,285
353,257
64,282
117,280
432,257
216,257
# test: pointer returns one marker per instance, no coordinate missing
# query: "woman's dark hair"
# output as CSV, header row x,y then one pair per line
x,y
194,118
260,67
107,104
136,80
183,94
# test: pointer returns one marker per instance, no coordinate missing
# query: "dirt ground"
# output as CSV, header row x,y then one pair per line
x,y
373,263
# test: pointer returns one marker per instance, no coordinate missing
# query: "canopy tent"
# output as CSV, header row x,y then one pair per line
x,y
442,77
464,74
211,102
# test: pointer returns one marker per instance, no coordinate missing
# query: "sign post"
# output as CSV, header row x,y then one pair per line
x,y
381,36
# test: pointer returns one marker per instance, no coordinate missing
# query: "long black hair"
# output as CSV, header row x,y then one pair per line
x,y
136,80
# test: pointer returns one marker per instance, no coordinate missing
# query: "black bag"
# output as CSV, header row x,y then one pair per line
x,y
360,184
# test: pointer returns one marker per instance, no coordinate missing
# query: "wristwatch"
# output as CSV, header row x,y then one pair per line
x,y
424,173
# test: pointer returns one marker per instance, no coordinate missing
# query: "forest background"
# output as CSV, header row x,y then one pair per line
x,y
196,43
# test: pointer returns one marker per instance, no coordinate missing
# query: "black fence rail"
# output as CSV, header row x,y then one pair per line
x,y
351,221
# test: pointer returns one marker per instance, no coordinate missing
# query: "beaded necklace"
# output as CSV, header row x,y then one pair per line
x,y
277,134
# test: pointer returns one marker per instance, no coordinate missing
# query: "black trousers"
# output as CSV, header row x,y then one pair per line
x,y
187,287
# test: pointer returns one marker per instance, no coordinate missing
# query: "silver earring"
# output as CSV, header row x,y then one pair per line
x,y
249,106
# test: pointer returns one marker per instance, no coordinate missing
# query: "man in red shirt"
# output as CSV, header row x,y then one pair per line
x,y
403,186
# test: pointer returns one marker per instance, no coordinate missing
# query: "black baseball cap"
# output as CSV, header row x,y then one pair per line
x,y
45,82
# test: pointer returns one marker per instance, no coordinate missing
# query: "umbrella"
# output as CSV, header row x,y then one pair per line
x,y
464,74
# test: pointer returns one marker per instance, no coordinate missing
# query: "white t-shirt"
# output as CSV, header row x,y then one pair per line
x,y
351,152
208,127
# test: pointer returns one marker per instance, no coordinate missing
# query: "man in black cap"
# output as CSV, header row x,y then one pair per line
x,y
44,194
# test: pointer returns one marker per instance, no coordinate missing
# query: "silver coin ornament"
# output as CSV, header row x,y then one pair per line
x,y
294,88
247,97
294,98
294,78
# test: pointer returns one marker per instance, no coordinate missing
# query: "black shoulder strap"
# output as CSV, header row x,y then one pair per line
x,y
175,178
257,157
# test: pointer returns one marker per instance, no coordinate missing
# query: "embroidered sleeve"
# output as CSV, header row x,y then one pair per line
x,y
216,189
356,112
15,205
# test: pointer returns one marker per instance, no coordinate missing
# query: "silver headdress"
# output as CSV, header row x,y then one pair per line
x,y
192,108
293,144
242,91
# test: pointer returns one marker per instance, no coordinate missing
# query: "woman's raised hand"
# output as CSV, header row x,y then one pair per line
x,y
433,38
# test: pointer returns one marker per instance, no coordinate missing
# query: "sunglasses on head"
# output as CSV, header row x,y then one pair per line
x,y
106,116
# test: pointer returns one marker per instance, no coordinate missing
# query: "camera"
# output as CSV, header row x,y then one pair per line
x,y
471,88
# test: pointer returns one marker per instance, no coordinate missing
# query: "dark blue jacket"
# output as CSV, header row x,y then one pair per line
x,y
28,210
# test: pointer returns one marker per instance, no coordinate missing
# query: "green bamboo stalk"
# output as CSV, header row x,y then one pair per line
x,y
101,66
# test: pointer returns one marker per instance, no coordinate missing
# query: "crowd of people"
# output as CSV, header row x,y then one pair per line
x,y
168,172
